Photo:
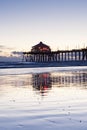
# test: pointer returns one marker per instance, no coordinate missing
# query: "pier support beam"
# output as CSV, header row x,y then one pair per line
x,y
66,55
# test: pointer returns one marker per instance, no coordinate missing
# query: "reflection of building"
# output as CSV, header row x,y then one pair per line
x,y
41,82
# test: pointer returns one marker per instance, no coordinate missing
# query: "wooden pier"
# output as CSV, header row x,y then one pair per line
x,y
55,56
63,55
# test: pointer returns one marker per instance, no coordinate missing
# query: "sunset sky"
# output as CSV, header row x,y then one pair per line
x,y
61,24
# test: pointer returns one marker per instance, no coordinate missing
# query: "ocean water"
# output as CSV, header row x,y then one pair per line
x,y
43,98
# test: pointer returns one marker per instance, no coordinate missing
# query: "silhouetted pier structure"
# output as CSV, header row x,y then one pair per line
x,y
43,53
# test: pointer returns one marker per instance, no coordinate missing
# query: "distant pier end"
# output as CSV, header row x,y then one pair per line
x,y
42,53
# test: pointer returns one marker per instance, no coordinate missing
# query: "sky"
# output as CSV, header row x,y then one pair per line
x,y
61,24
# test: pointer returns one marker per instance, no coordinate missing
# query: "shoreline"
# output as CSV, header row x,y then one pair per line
x,y
4,65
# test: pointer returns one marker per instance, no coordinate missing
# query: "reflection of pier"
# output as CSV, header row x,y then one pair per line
x,y
41,82
45,81
43,53
65,80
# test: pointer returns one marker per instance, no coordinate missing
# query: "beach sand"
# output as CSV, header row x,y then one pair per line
x,y
61,106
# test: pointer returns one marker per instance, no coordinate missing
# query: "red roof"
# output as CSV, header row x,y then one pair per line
x,y
41,47
41,44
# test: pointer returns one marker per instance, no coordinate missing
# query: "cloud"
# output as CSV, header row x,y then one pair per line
x,y
17,53
5,51
9,59
2,47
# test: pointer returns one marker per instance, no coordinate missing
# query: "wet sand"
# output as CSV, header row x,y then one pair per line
x,y
35,99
